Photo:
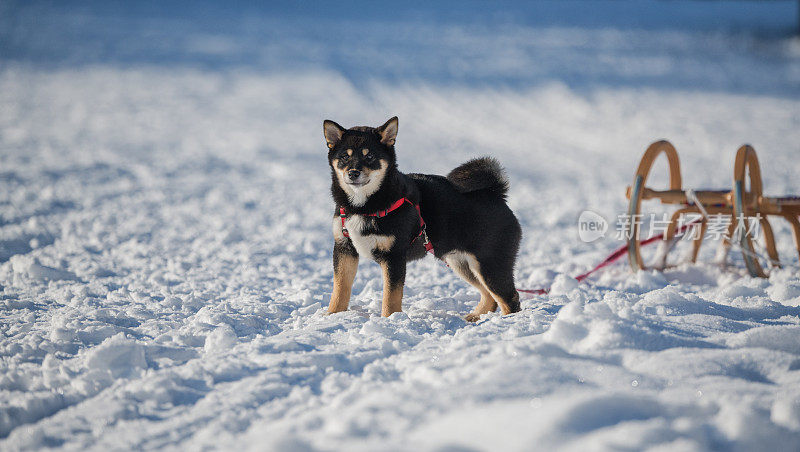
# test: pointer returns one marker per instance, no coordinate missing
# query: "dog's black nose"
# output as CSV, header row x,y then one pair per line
x,y
353,173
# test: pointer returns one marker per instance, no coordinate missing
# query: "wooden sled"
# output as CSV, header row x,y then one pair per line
x,y
739,203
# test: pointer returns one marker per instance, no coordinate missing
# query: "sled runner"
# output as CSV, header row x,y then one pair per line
x,y
742,203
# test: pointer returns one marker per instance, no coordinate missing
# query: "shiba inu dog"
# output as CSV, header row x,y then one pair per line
x,y
392,218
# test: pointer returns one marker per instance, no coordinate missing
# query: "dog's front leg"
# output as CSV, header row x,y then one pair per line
x,y
394,276
345,264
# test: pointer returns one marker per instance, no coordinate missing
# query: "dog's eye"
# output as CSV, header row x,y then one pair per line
x,y
369,157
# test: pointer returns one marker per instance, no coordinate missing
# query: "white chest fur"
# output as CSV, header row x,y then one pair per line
x,y
365,244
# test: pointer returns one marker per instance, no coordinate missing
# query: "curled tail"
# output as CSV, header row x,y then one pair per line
x,y
480,174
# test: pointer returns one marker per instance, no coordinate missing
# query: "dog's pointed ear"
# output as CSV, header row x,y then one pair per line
x,y
333,132
388,132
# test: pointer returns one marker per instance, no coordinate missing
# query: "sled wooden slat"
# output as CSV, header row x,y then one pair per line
x,y
679,196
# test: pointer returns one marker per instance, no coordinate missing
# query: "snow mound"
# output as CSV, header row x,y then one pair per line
x,y
118,356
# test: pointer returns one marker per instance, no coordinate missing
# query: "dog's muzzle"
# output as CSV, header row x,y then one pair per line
x,y
356,177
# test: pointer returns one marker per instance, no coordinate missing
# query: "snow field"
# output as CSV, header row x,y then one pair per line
x,y
165,256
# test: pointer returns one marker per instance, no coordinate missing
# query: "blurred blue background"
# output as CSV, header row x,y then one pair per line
x,y
448,42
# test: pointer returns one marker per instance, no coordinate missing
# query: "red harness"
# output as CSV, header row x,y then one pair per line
x,y
382,213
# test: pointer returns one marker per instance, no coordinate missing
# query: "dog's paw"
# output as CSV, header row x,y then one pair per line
x,y
472,317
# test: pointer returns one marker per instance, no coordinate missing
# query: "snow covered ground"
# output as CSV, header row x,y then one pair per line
x,y
165,227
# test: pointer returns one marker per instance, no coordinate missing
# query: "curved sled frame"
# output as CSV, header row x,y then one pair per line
x,y
739,203
747,204
637,193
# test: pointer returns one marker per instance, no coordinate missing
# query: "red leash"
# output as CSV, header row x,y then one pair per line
x,y
613,257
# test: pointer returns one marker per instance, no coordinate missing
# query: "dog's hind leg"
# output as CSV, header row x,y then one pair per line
x,y
487,304
503,291
394,277
460,263
345,264
499,283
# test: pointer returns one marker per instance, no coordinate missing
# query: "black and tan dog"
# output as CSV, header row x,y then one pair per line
x,y
393,217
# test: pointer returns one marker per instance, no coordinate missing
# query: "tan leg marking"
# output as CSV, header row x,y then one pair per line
x,y
460,263
475,268
392,296
487,304
343,276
